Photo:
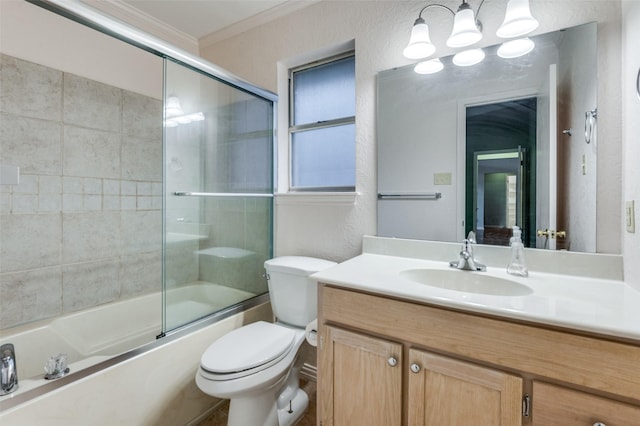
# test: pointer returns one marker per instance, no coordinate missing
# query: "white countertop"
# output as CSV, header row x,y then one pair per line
x,y
603,306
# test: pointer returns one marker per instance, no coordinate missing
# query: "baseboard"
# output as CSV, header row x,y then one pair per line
x,y
309,372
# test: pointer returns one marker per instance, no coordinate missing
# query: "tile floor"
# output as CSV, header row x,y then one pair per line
x,y
219,417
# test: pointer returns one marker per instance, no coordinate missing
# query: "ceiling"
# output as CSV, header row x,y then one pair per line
x,y
200,18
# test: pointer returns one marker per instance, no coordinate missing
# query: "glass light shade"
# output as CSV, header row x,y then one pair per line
x,y
465,31
468,57
420,45
516,48
518,20
431,66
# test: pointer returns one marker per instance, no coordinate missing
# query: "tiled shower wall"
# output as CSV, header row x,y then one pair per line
x,y
84,225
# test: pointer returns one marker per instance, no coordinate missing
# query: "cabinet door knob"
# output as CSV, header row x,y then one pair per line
x,y
415,368
392,361
599,424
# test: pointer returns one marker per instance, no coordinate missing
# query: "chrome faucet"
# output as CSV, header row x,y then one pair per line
x,y
8,371
466,261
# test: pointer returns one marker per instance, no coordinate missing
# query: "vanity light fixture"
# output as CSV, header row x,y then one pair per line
x,y
465,32
518,20
516,48
468,58
431,66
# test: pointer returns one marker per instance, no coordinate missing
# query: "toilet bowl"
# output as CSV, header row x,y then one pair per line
x,y
255,365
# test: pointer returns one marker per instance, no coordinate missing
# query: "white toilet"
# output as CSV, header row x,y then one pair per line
x,y
253,366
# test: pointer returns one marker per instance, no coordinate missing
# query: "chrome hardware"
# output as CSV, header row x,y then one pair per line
x,y
526,405
415,368
392,361
638,83
550,233
410,196
56,367
466,261
567,132
8,369
599,424
589,123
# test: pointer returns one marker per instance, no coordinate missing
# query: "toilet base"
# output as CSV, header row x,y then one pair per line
x,y
263,410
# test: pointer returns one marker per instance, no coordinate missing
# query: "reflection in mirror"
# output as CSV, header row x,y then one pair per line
x,y
442,133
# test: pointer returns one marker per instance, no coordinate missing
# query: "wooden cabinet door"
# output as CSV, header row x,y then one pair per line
x,y
358,384
445,391
555,405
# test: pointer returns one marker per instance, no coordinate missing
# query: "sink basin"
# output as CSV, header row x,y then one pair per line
x,y
469,282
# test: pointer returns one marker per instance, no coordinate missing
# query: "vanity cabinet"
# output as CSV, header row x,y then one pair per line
x,y
385,361
555,405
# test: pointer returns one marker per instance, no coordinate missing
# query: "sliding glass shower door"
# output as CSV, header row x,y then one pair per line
x,y
218,148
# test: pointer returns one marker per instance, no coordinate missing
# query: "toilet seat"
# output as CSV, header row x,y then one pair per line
x,y
246,350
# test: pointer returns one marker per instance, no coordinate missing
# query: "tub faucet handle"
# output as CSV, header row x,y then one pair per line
x,y
8,370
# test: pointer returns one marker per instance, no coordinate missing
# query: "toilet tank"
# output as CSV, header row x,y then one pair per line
x,y
294,296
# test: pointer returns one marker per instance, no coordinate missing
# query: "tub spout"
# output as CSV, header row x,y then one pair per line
x,y
8,371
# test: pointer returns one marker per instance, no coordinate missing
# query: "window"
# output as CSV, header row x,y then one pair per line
x,y
322,126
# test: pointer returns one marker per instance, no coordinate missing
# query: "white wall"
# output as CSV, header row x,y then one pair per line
x,y
34,34
631,134
381,30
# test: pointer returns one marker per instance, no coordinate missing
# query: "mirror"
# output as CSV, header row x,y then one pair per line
x,y
505,142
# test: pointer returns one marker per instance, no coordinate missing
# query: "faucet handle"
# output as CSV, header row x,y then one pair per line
x,y
471,237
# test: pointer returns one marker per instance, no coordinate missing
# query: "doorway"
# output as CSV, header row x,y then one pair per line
x,y
500,170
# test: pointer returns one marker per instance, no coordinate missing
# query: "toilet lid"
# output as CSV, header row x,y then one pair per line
x,y
247,347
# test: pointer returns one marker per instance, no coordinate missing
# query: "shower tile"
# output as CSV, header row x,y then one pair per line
x,y
28,185
49,203
90,284
23,204
156,189
92,202
5,202
141,116
140,273
91,153
111,202
128,203
72,185
141,231
128,187
92,186
72,203
30,89
91,104
50,185
29,241
141,159
90,236
30,296
33,145
111,187
143,188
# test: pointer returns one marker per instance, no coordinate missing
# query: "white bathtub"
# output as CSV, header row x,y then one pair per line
x,y
97,334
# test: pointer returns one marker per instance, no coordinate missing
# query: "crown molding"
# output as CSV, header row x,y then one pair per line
x,y
268,15
135,17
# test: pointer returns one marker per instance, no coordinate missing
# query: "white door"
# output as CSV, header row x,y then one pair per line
x,y
547,151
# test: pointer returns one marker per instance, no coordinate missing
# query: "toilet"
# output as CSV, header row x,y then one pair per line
x,y
254,365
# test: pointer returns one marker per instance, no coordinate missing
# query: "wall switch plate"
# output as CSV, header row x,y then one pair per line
x,y
630,215
442,178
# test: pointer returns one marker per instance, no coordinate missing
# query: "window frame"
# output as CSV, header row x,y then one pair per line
x,y
292,129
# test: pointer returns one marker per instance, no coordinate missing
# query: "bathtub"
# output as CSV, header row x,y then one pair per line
x,y
98,334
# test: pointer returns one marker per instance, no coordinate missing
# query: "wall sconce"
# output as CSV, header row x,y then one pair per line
x,y
466,31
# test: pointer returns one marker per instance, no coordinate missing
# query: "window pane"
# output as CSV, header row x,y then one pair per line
x,y
324,157
325,92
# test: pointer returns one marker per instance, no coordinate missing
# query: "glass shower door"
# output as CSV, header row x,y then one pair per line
x,y
218,145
